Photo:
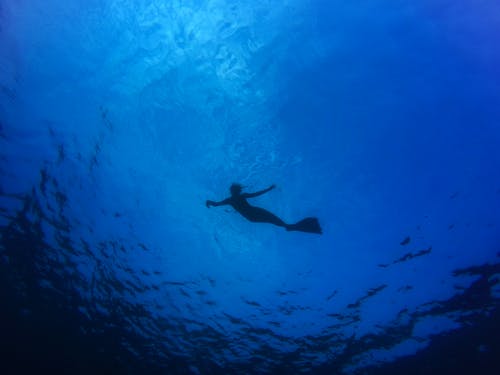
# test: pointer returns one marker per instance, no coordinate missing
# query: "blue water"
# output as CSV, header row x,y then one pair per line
x,y
120,118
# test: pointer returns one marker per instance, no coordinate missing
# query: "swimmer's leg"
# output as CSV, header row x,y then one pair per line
x,y
260,215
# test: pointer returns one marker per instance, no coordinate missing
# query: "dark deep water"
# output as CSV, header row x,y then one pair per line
x,y
119,118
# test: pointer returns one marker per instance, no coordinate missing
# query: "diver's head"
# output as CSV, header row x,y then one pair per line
x,y
236,189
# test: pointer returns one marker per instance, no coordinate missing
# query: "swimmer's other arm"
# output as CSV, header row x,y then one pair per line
x,y
215,204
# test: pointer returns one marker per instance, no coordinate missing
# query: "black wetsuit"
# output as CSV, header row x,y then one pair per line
x,y
259,215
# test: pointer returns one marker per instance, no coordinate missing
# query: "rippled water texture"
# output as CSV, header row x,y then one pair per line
x,y
120,118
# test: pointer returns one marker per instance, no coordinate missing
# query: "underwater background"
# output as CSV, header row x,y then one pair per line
x,y
120,118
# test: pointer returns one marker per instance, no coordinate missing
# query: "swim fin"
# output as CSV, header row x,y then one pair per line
x,y
309,225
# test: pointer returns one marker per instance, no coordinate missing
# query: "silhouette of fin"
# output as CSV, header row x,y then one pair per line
x,y
309,225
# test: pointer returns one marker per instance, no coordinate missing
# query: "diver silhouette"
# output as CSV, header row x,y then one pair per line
x,y
238,201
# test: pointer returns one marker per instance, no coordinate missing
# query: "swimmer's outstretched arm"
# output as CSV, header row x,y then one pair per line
x,y
215,204
256,194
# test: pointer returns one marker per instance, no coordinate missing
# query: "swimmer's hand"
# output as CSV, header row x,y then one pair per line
x,y
209,203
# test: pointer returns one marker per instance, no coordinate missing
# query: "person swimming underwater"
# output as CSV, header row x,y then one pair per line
x,y
238,201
